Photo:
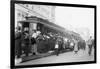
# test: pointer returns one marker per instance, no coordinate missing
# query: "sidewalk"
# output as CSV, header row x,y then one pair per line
x,y
65,57
32,57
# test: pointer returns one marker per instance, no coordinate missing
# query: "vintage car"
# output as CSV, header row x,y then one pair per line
x,y
69,44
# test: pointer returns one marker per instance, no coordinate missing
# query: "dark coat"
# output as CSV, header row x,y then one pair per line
x,y
33,40
17,42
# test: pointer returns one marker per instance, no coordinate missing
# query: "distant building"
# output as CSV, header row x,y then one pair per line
x,y
41,11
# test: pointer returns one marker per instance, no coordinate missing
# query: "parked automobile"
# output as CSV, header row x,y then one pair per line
x,y
69,44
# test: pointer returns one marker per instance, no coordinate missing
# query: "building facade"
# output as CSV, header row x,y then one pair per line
x,y
22,11
41,11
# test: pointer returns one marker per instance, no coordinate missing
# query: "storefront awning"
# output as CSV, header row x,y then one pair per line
x,y
69,34
44,22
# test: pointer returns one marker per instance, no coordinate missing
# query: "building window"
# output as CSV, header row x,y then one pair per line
x,y
26,5
19,14
32,7
26,14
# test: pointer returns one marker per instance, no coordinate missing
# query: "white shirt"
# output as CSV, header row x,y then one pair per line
x,y
56,46
34,35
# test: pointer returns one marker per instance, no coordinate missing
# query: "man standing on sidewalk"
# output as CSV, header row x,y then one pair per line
x,y
26,39
34,42
18,48
90,45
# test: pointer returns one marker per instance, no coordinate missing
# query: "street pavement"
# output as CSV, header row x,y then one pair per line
x,y
63,58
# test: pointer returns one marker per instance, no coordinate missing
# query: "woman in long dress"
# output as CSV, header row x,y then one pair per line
x,y
75,46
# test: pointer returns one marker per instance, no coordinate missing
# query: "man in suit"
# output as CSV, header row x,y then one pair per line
x,y
57,46
90,45
18,49
26,40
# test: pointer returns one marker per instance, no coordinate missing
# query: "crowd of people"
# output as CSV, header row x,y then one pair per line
x,y
75,44
60,43
22,42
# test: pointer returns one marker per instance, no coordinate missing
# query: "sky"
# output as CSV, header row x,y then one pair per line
x,y
77,19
